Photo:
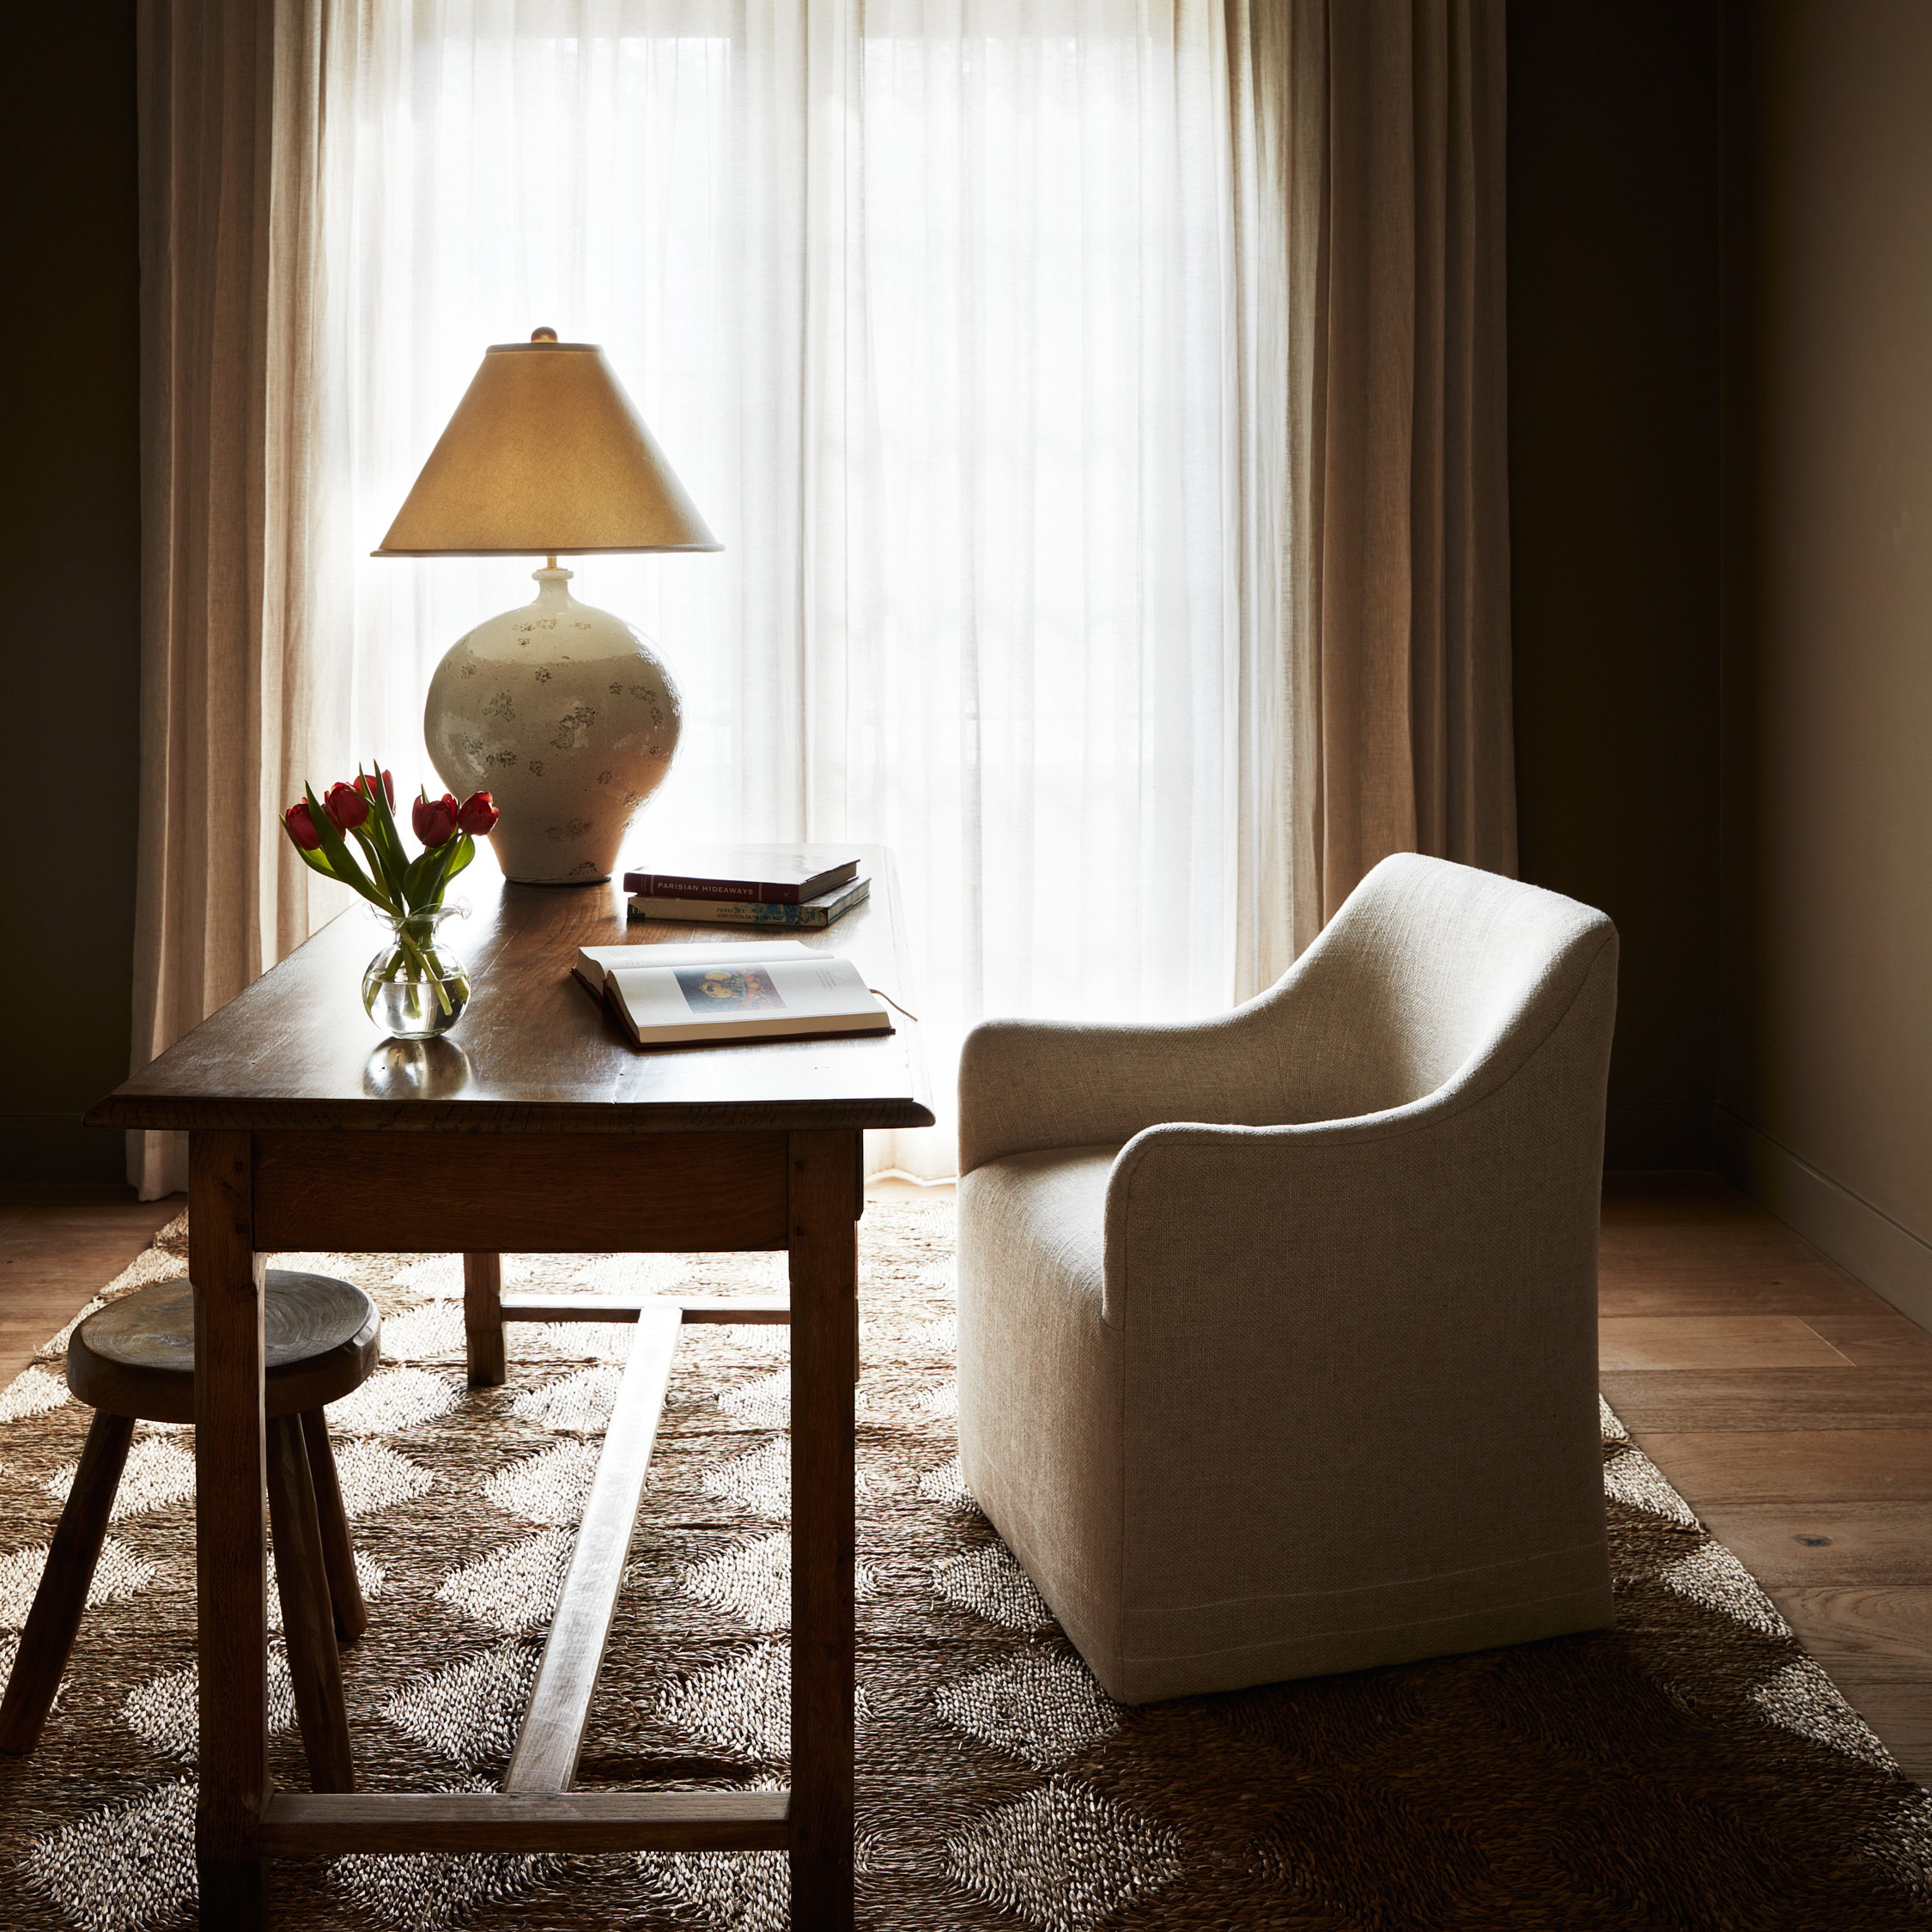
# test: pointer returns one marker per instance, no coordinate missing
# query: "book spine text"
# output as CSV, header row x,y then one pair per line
x,y
673,885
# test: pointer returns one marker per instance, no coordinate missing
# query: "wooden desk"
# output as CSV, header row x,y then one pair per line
x,y
308,1131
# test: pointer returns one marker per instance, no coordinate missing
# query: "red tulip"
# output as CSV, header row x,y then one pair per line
x,y
347,807
476,814
434,819
302,827
365,783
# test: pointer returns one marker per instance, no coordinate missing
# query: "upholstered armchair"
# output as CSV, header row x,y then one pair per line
x,y
1278,1330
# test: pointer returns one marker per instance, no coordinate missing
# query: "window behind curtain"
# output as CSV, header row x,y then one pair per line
x,y
929,307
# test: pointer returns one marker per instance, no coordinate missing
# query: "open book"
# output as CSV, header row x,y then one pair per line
x,y
699,996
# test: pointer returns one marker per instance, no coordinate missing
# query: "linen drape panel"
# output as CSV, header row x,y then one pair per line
x,y
1099,405
1392,172
229,102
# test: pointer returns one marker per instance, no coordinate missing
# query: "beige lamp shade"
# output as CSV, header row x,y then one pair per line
x,y
545,456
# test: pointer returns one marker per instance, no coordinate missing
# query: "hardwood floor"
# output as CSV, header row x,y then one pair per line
x,y
1790,1406
57,1247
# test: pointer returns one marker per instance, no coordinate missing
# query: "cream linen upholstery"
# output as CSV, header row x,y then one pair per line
x,y
1278,1331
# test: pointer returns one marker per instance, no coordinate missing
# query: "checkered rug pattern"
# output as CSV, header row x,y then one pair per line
x,y
1690,1769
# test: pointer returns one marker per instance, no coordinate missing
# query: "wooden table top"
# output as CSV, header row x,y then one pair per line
x,y
533,1052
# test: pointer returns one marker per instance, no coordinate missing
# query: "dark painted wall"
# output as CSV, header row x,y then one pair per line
x,y
1827,1084
70,557
1615,264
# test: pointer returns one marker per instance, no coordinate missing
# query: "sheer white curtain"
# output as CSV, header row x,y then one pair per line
x,y
929,303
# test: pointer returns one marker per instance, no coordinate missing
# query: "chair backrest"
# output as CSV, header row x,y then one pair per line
x,y
1430,970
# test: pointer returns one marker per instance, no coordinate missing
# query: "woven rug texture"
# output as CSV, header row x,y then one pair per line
x,y
1690,1769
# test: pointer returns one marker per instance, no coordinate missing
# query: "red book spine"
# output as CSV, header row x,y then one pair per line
x,y
673,885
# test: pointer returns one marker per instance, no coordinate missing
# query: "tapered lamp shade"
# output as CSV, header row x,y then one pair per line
x,y
545,456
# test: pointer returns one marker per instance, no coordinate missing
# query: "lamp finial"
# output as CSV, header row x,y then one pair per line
x,y
544,334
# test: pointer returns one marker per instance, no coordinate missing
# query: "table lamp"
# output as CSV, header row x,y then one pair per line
x,y
564,713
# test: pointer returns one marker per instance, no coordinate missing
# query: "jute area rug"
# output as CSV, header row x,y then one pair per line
x,y
1690,1769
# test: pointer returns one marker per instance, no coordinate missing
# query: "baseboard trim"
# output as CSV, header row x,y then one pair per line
x,y
1885,1255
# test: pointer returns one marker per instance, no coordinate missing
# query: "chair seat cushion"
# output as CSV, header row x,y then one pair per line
x,y
137,1357
1039,1375
1041,1219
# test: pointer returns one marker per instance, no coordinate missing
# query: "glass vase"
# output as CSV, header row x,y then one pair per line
x,y
416,987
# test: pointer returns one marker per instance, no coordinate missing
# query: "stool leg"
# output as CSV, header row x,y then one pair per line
x,y
302,1580
338,1552
62,1594
482,1319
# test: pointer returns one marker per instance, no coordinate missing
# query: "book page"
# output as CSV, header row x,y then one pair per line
x,y
594,962
722,993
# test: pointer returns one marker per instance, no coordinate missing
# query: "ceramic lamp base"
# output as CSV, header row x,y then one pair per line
x,y
567,717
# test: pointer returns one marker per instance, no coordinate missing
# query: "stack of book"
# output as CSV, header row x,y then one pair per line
x,y
756,885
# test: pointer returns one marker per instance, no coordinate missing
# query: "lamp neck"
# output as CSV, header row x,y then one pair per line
x,y
552,585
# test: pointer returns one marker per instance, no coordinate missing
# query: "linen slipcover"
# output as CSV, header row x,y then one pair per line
x,y
1278,1330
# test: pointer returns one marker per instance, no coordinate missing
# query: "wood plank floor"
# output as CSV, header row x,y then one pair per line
x,y
57,1248
1791,1406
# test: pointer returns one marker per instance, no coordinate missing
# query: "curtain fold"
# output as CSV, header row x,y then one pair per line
x,y
1100,402
229,103
1376,130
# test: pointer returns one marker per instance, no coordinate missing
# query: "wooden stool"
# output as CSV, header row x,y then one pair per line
x,y
134,1361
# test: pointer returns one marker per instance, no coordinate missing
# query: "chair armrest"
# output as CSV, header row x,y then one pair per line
x,y
1285,1217
1029,1085
1514,1140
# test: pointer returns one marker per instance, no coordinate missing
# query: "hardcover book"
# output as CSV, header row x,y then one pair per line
x,y
754,875
813,916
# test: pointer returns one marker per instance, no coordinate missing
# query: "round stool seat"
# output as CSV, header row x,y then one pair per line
x,y
136,1358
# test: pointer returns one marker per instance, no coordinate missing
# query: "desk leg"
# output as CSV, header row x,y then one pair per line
x,y
231,1553
824,1268
482,1319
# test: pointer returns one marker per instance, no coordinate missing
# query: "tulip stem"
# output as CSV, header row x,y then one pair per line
x,y
407,890
418,963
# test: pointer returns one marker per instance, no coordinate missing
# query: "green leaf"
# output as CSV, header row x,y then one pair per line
x,y
377,858
388,837
466,850
446,859
314,860
416,878
308,858
342,863
369,836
